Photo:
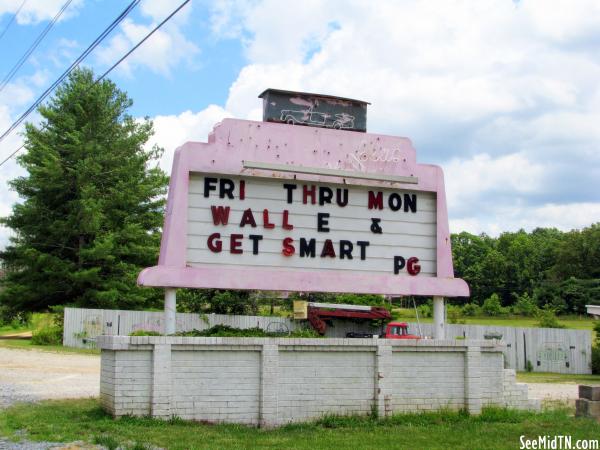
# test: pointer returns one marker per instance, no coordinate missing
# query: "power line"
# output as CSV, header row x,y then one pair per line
x,y
116,64
12,19
143,40
33,46
12,154
75,63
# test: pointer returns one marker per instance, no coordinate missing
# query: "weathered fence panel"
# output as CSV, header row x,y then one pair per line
x,y
546,349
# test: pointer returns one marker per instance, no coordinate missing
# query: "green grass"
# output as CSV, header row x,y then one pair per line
x,y
544,377
8,329
25,344
70,420
571,321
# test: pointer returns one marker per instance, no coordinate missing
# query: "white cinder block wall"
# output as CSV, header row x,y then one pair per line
x,y
270,382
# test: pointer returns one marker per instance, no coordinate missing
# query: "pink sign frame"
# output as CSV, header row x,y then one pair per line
x,y
234,141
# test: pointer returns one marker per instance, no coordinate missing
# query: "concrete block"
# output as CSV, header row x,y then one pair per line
x,y
587,408
589,392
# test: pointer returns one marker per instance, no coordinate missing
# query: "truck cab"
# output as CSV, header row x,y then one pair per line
x,y
398,330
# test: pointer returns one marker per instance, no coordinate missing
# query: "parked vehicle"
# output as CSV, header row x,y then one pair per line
x,y
319,313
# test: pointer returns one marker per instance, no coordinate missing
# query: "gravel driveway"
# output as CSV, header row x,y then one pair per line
x,y
30,375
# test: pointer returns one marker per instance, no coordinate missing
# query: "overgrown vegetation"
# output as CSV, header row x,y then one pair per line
x,y
71,420
48,329
227,331
596,350
145,333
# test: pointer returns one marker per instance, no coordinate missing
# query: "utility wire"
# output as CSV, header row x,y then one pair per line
x,y
33,46
75,63
143,40
12,19
116,64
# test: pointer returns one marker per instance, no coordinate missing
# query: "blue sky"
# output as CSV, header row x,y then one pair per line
x,y
504,95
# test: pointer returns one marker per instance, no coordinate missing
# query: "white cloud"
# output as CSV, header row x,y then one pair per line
x,y
166,49
473,180
35,11
172,131
550,215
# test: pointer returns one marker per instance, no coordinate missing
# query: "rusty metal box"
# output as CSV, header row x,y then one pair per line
x,y
316,110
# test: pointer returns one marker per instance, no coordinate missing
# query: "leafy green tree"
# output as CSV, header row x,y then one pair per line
x,y
578,255
217,301
92,204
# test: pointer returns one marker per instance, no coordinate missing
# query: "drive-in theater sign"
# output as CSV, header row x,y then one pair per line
x,y
305,205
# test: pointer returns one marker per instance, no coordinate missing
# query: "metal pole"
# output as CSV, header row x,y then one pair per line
x,y
439,319
170,310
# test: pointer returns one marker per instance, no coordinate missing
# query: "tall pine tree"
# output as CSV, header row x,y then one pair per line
x,y
92,204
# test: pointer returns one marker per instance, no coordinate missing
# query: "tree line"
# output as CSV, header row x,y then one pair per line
x,y
546,268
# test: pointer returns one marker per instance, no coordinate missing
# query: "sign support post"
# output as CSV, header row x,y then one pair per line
x,y
170,310
438,318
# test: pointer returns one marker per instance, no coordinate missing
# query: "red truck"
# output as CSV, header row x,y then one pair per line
x,y
319,313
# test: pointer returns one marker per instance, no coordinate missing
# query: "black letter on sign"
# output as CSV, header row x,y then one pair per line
x,y
341,201
399,263
308,248
255,238
322,222
410,202
325,195
290,192
363,249
209,185
226,187
375,227
346,249
395,201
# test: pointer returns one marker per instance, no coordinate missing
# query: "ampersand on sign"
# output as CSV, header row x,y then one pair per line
x,y
375,227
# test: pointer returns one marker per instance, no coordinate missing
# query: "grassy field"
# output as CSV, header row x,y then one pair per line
x,y
572,321
12,329
543,377
26,344
71,420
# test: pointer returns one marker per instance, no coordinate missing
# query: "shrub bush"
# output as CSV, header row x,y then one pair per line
x,y
425,310
547,319
492,306
454,314
596,350
525,306
49,328
227,331
145,333
47,335
596,360
471,309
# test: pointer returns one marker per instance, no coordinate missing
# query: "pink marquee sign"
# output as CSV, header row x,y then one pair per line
x,y
271,206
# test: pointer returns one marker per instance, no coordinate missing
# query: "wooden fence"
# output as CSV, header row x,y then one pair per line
x,y
542,349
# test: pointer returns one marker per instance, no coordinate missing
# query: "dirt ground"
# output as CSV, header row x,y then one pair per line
x,y
553,391
30,375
